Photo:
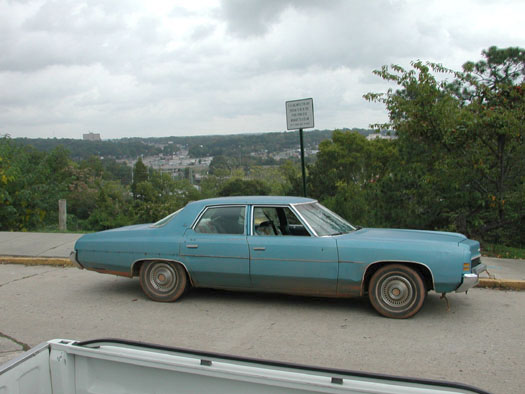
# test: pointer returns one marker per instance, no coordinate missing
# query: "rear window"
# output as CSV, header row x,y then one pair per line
x,y
166,220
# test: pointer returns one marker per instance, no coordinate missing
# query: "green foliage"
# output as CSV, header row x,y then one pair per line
x,y
83,191
34,182
108,169
112,208
241,187
273,177
7,176
349,173
242,145
140,177
502,251
291,172
221,166
82,150
161,195
461,144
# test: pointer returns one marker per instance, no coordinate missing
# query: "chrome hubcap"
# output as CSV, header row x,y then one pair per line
x,y
163,277
397,292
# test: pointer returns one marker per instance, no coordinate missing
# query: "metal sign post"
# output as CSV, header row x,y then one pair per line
x,y
303,170
299,116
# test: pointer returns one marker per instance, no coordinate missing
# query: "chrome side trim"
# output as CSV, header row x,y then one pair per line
x,y
303,220
303,203
297,260
210,256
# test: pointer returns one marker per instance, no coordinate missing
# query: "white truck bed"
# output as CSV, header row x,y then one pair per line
x,y
115,366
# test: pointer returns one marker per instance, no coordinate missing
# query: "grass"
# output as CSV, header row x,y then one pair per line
x,y
502,251
54,229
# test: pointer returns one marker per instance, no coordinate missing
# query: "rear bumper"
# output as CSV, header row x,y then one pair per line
x,y
471,279
73,259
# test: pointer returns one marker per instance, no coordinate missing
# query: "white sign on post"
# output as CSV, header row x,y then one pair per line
x,y
300,114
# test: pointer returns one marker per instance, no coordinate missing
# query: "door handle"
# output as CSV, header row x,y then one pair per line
x,y
192,246
259,248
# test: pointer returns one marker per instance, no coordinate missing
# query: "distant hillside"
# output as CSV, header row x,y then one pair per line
x,y
80,150
198,146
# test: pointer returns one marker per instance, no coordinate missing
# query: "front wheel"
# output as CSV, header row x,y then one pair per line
x,y
162,281
397,291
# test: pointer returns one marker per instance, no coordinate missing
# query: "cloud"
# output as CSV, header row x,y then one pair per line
x,y
75,33
134,68
251,17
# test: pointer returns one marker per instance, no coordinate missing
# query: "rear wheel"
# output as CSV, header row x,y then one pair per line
x,y
397,291
162,281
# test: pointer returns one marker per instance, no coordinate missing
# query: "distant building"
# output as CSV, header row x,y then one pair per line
x,y
91,137
376,136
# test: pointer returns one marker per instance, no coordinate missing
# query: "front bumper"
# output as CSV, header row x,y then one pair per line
x,y
73,259
471,279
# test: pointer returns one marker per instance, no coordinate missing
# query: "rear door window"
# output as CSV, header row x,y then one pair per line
x,y
222,220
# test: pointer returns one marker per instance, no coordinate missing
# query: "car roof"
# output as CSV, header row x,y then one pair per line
x,y
254,200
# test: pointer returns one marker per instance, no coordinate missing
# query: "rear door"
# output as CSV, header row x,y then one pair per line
x,y
215,249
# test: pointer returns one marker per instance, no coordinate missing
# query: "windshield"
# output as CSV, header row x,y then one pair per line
x,y
165,220
322,220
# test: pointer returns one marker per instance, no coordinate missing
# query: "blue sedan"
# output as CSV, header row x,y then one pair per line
x,y
283,244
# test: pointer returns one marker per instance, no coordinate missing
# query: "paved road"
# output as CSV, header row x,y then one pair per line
x,y
37,244
479,341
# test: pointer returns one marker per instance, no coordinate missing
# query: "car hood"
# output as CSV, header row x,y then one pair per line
x,y
375,244
399,235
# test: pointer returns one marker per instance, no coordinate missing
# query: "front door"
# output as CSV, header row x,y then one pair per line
x,y
284,257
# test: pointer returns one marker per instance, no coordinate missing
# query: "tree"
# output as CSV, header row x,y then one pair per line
x,y
492,93
140,174
31,185
293,185
221,166
241,187
6,177
113,207
83,192
347,174
461,142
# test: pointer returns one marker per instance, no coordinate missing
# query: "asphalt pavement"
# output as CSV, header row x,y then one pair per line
x,y
54,249
476,340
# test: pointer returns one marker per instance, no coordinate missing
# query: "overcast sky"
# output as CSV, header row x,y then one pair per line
x,y
175,68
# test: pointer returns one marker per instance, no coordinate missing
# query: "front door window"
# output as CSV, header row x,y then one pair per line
x,y
276,221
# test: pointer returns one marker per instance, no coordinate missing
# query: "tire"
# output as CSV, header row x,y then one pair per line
x,y
397,291
163,281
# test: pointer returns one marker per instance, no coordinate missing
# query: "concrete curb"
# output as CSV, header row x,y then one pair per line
x,y
503,284
50,261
